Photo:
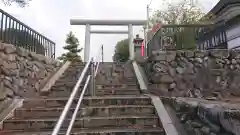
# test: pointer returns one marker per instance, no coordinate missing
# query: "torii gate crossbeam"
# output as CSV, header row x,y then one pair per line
x,y
88,31
107,22
108,32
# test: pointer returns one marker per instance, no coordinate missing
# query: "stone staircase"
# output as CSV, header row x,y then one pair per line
x,y
118,107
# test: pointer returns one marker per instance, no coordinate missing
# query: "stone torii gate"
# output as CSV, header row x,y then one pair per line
x,y
88,31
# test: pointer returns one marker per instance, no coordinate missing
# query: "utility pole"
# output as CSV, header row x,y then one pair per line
x,y
102,52
146,29
147,23
145,41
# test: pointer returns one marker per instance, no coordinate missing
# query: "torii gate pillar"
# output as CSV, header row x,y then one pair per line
x,y
87,42
131,45
88,31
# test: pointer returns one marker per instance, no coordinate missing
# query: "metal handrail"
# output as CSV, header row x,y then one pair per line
x,y
89,64
77,107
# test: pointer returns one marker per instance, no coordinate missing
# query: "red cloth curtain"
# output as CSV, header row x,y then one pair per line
x,y
156,28
142,48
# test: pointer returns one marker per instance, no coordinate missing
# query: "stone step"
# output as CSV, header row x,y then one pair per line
x,y
99,81
110,84
74,68
116,82
78,64
72,72
127,86
83,122
117,92
134,130
62,93
99,92
88,101
70,77
73,77
107,86
113,110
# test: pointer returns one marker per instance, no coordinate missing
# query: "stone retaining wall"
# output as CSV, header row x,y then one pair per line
x,y
199,74
23,73
203,117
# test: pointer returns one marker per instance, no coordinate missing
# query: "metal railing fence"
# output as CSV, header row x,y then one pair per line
x,y
13,31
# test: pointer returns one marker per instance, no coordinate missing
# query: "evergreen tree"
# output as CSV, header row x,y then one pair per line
x,y
121,51
72,45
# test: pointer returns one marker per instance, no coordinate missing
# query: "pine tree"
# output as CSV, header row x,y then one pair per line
x,y
72,45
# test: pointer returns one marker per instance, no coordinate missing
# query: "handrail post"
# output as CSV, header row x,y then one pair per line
x,y
92,84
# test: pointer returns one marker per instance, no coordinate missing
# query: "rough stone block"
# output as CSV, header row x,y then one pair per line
x,y
159,56
189,54
220,53
9,48
22,74
200,53
206,72
170,56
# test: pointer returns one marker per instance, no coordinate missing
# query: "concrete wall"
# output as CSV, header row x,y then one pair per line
x,y
23,74
206,74
233,37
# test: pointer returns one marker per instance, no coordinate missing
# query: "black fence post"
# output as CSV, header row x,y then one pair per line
x,y
1,30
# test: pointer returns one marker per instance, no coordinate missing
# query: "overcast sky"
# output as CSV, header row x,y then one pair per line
x,y
52,18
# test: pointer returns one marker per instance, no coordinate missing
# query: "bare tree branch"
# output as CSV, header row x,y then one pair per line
x,y
183,12
21,3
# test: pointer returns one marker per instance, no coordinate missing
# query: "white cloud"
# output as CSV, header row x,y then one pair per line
x,y
52,18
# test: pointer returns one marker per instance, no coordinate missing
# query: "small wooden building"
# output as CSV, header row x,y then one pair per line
x,y
225,31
